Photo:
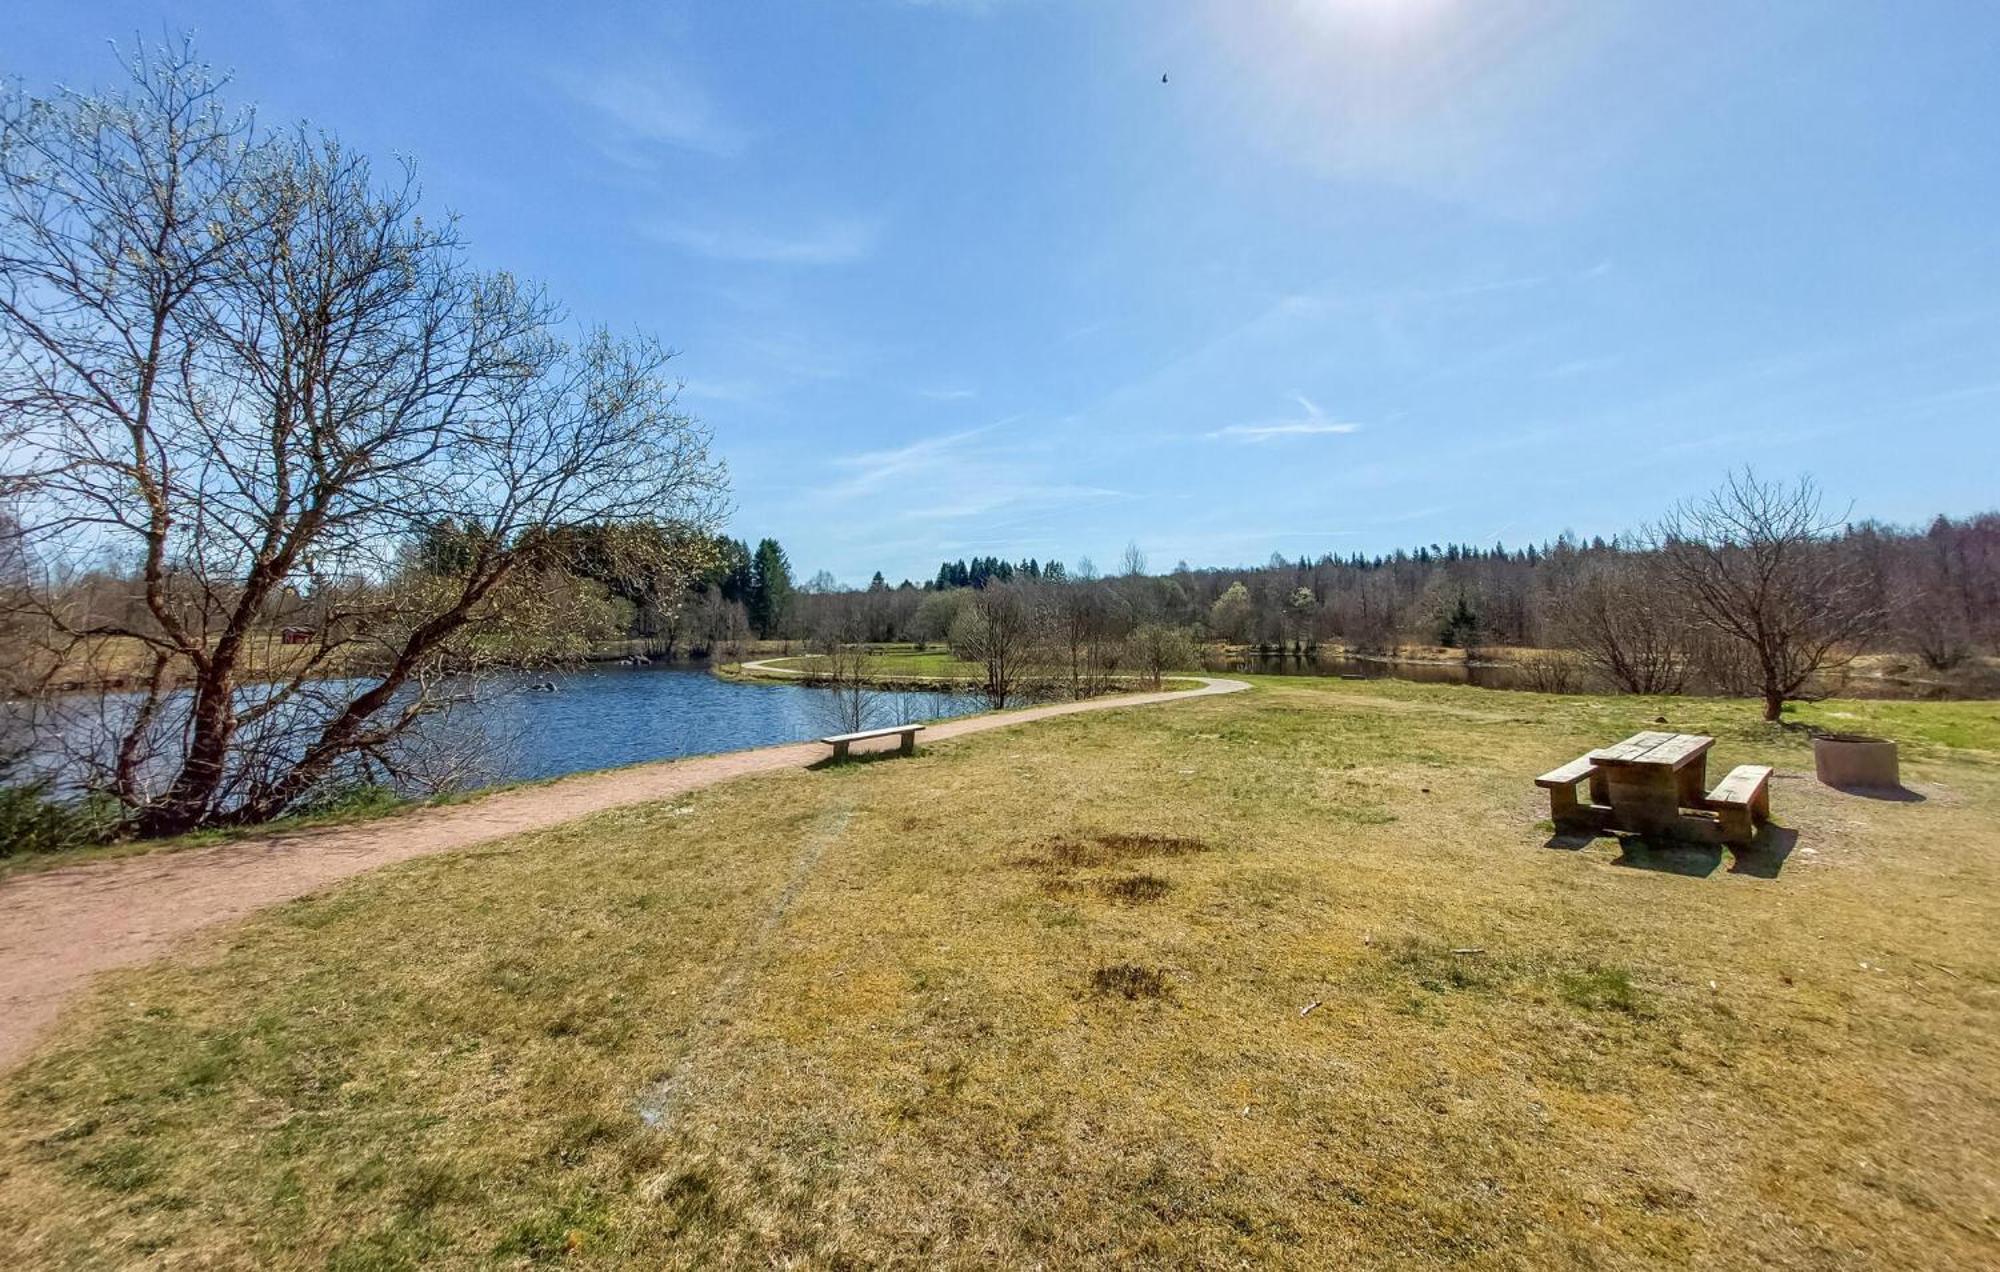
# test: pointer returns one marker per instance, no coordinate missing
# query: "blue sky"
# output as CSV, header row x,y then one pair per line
x,y
966,278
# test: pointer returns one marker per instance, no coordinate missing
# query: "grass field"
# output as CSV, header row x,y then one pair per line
x,y
901,662
1040,996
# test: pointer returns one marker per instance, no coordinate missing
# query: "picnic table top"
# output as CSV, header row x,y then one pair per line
x,y
1666,750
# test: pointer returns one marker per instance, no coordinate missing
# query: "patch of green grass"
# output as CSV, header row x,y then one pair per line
x,y
1603,989
1358,1006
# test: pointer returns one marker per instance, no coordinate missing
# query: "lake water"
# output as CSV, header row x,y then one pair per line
x,y
594,718
608,716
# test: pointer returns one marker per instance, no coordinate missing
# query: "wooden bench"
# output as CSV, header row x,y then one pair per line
x,y
1561,786
840,741
1741,801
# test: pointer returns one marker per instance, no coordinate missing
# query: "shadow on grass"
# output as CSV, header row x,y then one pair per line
x,y
1887,794
1668,856
1765,856
1573,839
855,759
1762,858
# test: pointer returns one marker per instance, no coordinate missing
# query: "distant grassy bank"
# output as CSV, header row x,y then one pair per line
x,y
899,666
1048,995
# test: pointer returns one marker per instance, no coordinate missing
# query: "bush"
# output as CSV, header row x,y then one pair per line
x,y
1154,650
350,799
34,821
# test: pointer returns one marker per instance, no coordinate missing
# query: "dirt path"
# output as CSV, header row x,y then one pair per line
x,y
60,927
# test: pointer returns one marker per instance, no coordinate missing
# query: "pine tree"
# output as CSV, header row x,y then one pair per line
x,y
770,589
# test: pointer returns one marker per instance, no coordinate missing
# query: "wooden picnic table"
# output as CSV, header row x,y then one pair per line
x,y
1651,776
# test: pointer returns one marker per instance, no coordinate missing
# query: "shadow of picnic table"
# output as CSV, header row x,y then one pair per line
x,y
1762,858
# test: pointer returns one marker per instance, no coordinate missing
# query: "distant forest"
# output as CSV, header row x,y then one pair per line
x,y
1936,590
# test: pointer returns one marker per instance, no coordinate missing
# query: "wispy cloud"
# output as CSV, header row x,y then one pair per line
x,y
871,471
955,476
1021,496
948,395
839,241
1313,423
661,107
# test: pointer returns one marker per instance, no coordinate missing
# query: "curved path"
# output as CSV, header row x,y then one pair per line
x,y
60,927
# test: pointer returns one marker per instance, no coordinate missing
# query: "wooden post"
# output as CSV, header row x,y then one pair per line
x,y
1693,782
1562,804
1644,800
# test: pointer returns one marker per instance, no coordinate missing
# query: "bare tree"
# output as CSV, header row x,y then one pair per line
x,y
1086,625
252,374
852,699
1754,563
998,631
1156,649
1133,562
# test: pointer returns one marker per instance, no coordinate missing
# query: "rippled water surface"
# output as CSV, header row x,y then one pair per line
x,y
610,716
522,727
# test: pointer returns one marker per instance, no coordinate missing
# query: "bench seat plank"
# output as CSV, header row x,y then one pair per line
x,y
1569,774
865,734
908,732
1740,787
1741,800
1561,785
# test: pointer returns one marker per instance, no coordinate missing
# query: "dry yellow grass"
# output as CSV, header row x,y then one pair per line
x,y
922,1012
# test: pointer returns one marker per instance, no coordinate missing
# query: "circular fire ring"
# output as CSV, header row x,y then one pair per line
x,y
1856,761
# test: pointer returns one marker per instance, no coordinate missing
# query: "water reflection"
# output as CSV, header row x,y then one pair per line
x,y
514,727
610,716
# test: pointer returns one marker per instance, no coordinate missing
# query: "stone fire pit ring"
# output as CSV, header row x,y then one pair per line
x,y
1856,761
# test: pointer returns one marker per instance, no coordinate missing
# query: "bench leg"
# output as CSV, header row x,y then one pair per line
x,y
909,744
1760,803
1600,787
1736,824
839,752
1562,805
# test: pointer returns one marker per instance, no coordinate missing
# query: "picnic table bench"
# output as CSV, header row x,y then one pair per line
x,y
1643,783
841,741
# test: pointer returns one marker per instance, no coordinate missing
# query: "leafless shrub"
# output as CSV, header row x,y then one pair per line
x,y
1551,671
1154,650
1614,612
